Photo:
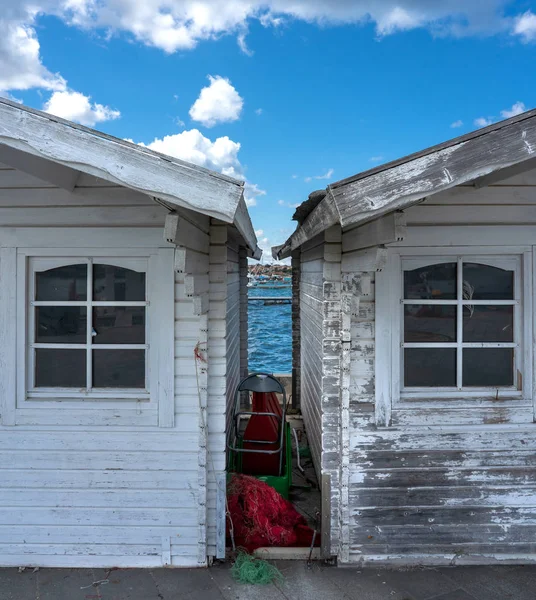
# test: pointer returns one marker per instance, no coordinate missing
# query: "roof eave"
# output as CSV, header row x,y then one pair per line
x,y
493,152
242,222
123,163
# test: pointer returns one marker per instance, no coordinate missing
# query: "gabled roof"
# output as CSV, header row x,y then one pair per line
x,y
484,156
79,149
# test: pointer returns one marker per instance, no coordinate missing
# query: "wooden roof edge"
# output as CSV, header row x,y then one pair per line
x,y
436,147
483,156
323,216
121,162
478,158
242,222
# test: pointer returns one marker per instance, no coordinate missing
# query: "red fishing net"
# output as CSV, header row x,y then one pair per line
x,y
262,517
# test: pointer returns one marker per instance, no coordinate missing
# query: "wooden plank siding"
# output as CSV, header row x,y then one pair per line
x,y
449,482
111,494
311,297
320,368
227,361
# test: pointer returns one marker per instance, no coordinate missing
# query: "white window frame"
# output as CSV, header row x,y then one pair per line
x,y
513,264
151,407
390,326
39,264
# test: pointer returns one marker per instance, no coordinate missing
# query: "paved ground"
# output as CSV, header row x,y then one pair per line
x,y
300,583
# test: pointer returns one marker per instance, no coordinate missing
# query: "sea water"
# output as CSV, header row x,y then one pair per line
x,y
270,331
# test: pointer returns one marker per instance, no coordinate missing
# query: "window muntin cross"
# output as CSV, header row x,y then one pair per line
x,y
88,325
461,324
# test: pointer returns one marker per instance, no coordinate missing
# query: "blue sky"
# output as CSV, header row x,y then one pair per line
x,y
290,100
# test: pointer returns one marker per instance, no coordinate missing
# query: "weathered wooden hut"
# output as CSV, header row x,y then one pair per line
x,y
123,312
414,352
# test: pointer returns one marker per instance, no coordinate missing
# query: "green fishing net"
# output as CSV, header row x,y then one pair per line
x,y
248,569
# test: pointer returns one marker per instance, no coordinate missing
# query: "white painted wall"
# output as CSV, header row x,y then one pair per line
x,y
110,494
224,365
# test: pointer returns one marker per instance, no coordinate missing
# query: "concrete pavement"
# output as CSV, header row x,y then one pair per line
x,y
300,583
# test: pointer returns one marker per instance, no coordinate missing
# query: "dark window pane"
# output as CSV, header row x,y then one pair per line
x,y
488,323
62,284
119,368
429,323
482,282
435,282
114,284
488,367
429,367
60,368
60,324
119,325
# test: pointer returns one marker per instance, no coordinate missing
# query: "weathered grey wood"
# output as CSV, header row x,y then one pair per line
x,y
500,438
520,553
484,535
221,512
385,230
54,173
506,173
325,543
502,215
461,195
321,218
242,222
296,328
459,161
512,477
76,147
443,496
364,261
463,516
497,151
438,458
485,415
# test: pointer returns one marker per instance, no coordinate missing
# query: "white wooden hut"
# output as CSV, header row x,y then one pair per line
x,y
123,279
414,352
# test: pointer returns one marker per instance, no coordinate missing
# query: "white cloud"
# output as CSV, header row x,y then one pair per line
x,y
242,44
398,19
258,111
192,146
173,25
456,124
74,106
294,176
376,159
327,175
181,24
288,204
266,243
251,193
259,232
220,155
525,26
517,109
219,102
20,60
483,121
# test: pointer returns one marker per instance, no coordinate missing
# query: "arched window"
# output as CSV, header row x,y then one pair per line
x,y
461,324
87,326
